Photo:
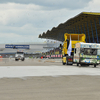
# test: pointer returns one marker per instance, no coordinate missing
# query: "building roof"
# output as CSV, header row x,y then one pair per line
x,y
85,22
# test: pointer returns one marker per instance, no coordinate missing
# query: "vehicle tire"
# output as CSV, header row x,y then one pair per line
x,y
23,59
82,64
63,63
94,65
77,64
16,60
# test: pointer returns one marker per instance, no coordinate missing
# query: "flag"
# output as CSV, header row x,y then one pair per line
x,y
69,48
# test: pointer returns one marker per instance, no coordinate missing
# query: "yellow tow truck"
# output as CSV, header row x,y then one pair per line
x,y
75,38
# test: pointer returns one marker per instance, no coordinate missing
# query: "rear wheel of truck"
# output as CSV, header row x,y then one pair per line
x,y
64,60
81,64
94,65
77,64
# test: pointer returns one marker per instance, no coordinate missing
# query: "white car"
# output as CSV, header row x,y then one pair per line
x,y
19,56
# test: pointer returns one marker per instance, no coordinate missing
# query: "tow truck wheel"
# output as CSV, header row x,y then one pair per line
x,y
64,63
94,65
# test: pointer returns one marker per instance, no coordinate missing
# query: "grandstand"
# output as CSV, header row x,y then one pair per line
x,y
85,22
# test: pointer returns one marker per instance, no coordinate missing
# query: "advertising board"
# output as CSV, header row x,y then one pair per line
x,y
17,46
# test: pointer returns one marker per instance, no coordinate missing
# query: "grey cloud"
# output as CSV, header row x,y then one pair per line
x,y
53,4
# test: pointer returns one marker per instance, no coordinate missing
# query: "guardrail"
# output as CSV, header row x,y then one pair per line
x,y
52,56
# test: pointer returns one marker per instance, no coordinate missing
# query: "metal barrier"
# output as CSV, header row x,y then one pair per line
x,y
54,56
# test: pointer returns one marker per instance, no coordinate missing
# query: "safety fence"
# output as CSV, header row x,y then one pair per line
x,y
52,56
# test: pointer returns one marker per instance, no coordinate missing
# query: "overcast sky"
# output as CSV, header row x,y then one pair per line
x,y
24,20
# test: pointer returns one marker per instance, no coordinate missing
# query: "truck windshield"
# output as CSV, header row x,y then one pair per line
x,y
88,51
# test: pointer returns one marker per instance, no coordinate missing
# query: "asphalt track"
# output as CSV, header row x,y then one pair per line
x,y
47,79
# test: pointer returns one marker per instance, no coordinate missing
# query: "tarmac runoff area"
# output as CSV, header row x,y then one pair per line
x,y
47,79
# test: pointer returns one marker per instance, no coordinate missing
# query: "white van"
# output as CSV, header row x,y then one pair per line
x,y
19,56
87,54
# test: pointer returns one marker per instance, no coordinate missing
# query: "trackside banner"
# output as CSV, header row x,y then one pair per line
x,y
17,46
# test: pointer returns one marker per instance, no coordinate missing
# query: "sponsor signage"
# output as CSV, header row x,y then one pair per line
x,y
17,46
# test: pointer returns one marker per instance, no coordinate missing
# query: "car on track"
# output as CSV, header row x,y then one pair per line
x,y
19,56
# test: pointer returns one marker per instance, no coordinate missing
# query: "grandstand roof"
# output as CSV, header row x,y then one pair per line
x,y
85,22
